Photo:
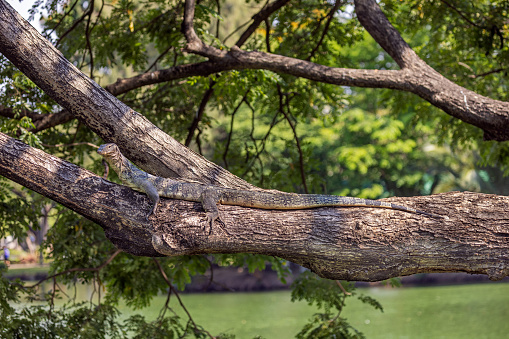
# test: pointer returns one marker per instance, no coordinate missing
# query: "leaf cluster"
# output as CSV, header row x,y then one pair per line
x,y
274,130
330,297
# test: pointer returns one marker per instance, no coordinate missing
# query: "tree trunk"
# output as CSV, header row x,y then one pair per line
x,y
364,244
337,243
139,139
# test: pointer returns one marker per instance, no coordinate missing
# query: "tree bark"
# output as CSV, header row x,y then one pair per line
x,y
139,139
364,244
336,243
415,76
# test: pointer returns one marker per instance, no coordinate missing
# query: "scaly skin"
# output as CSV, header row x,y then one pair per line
x,y
209,195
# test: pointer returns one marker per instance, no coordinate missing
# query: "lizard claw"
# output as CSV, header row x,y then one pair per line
x,y
211,217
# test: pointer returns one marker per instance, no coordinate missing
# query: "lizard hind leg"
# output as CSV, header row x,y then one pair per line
x,y
209,203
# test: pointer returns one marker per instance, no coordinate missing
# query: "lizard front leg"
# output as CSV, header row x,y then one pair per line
x,y
152,193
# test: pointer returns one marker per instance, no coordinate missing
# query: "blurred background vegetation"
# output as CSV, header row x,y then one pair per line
x,y
273,130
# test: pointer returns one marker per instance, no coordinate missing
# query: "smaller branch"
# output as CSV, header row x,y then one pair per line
x,y
40,121
292,126
193,40
194,43
253,140
162,312
498,70
370,16
217,20
76,23
62,20
159,58
8,112
98,15
325,29
260,17
263,140
460,14
235,31
51,120
165,277
53,294
228,141
267,35
342,288
77,269
87,38
198,140
73,144
199,114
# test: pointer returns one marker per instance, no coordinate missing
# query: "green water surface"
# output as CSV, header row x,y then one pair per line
x,y
460,311
465,311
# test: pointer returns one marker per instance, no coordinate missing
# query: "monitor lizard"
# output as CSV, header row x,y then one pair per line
x,y
210,195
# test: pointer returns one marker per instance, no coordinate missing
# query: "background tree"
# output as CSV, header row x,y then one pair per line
x,y
245,95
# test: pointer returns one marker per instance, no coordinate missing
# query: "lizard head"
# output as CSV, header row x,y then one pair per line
x,y
108,150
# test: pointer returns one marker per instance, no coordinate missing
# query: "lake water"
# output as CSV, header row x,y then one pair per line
x,y
461,311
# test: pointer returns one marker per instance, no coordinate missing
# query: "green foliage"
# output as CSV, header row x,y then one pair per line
x,y
168,327
330,298
79,320
273,130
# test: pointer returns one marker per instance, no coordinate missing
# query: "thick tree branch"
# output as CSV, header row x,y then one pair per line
x,y
258,18
82,191
416,77
336,243
144,143
490,115
375,22
358,243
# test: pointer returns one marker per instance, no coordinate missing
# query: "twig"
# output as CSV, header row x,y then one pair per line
x,y
260,17
292,126
72,144
263,140
199,114
158,58
325,29
78,269
342,288
76,23
62,20
498,70
228,141
460,14
165,277
87,38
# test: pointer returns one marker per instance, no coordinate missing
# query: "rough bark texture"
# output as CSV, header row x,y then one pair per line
x,y
144,143
492,116
355,243
415,76
118,209
338,243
